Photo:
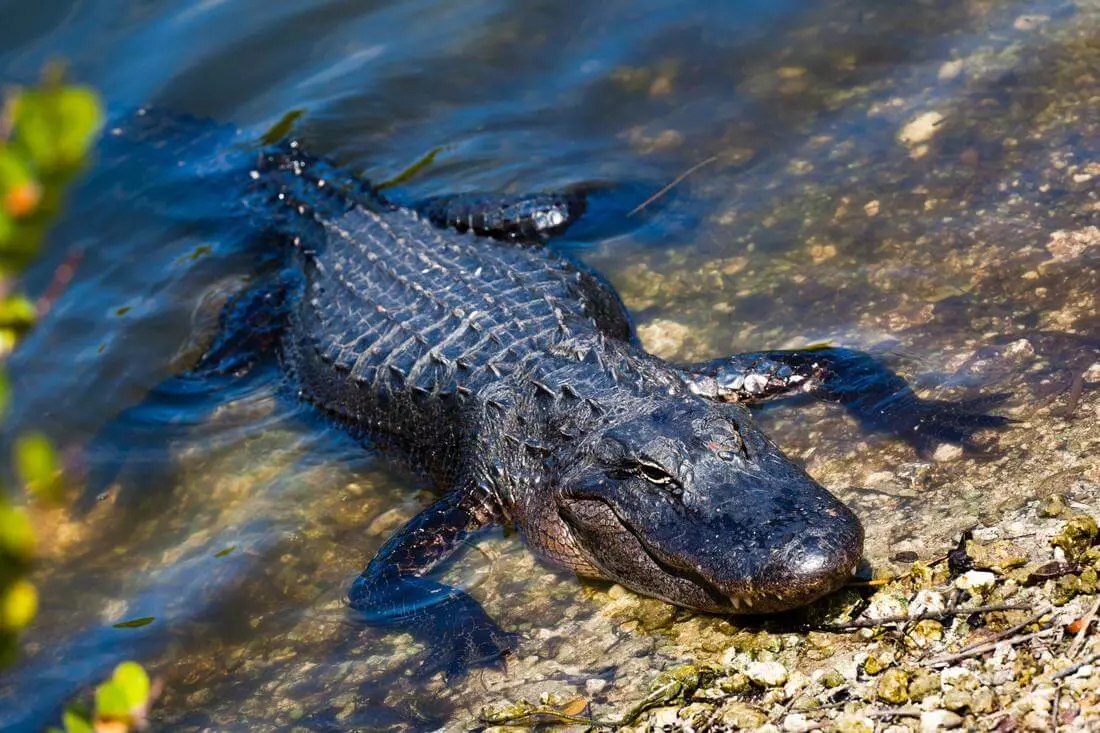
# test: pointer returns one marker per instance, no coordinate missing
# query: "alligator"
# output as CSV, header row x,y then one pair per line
x,y
452,335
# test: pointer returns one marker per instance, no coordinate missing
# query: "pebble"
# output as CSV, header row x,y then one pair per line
x,y
936,720
854,723
1029,22
950,70
1037,721
956,700
926,633
797,723
975,580
959,678
739,715
893,686
767,674
1020,348
920,129
664,337
1069,245
922,684
946,452
927,601
664,718
595,686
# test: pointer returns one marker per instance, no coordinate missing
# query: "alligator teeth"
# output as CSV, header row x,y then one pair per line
x,y
736,602
748,602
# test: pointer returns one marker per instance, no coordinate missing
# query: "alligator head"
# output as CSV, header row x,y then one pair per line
x,y
688,501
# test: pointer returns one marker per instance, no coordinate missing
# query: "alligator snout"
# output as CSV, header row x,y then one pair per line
x,y
806,567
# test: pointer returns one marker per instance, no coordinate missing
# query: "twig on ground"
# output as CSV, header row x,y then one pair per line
x,y
1010,632
949,612
1074,667
896,713
988,647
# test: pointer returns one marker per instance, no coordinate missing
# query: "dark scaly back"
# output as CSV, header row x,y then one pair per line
x,y
400,324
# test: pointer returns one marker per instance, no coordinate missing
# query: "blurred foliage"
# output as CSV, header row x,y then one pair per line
x,y
46,133
121,703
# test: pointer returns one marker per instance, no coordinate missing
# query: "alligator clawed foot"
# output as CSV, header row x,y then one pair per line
x,y
462,650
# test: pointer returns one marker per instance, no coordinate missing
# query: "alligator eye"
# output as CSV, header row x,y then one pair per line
x,y
654,474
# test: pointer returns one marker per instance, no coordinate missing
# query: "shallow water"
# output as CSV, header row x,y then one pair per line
x,y
818,215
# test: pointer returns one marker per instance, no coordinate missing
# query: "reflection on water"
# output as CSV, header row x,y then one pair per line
x,y
884,174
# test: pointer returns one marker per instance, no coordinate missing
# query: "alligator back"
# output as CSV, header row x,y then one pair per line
x,y
399,325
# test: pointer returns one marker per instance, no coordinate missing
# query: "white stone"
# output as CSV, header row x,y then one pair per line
x,y
665,718
946,452
936,720
797,723
664,337
950,69
595,686
927,601
767,674
959,678
920,129
1069,245
976,580
1020,347
1029,22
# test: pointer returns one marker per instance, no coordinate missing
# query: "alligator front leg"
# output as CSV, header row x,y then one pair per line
x,y
867,388
394,591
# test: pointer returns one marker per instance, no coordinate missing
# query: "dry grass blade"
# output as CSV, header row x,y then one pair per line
x,y
928,615
675,182
988,647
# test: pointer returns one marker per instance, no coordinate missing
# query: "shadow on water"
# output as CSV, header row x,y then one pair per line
x,y
265,514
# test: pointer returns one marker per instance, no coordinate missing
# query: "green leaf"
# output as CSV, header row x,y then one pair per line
x,y
412,170
131,678
226,551
18,312
110,701
36,464
16,532
74,722
19,604
55,125
79,120
282,128
135,623
14,170
7,229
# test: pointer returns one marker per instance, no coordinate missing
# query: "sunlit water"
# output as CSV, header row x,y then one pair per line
x,y
237,527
